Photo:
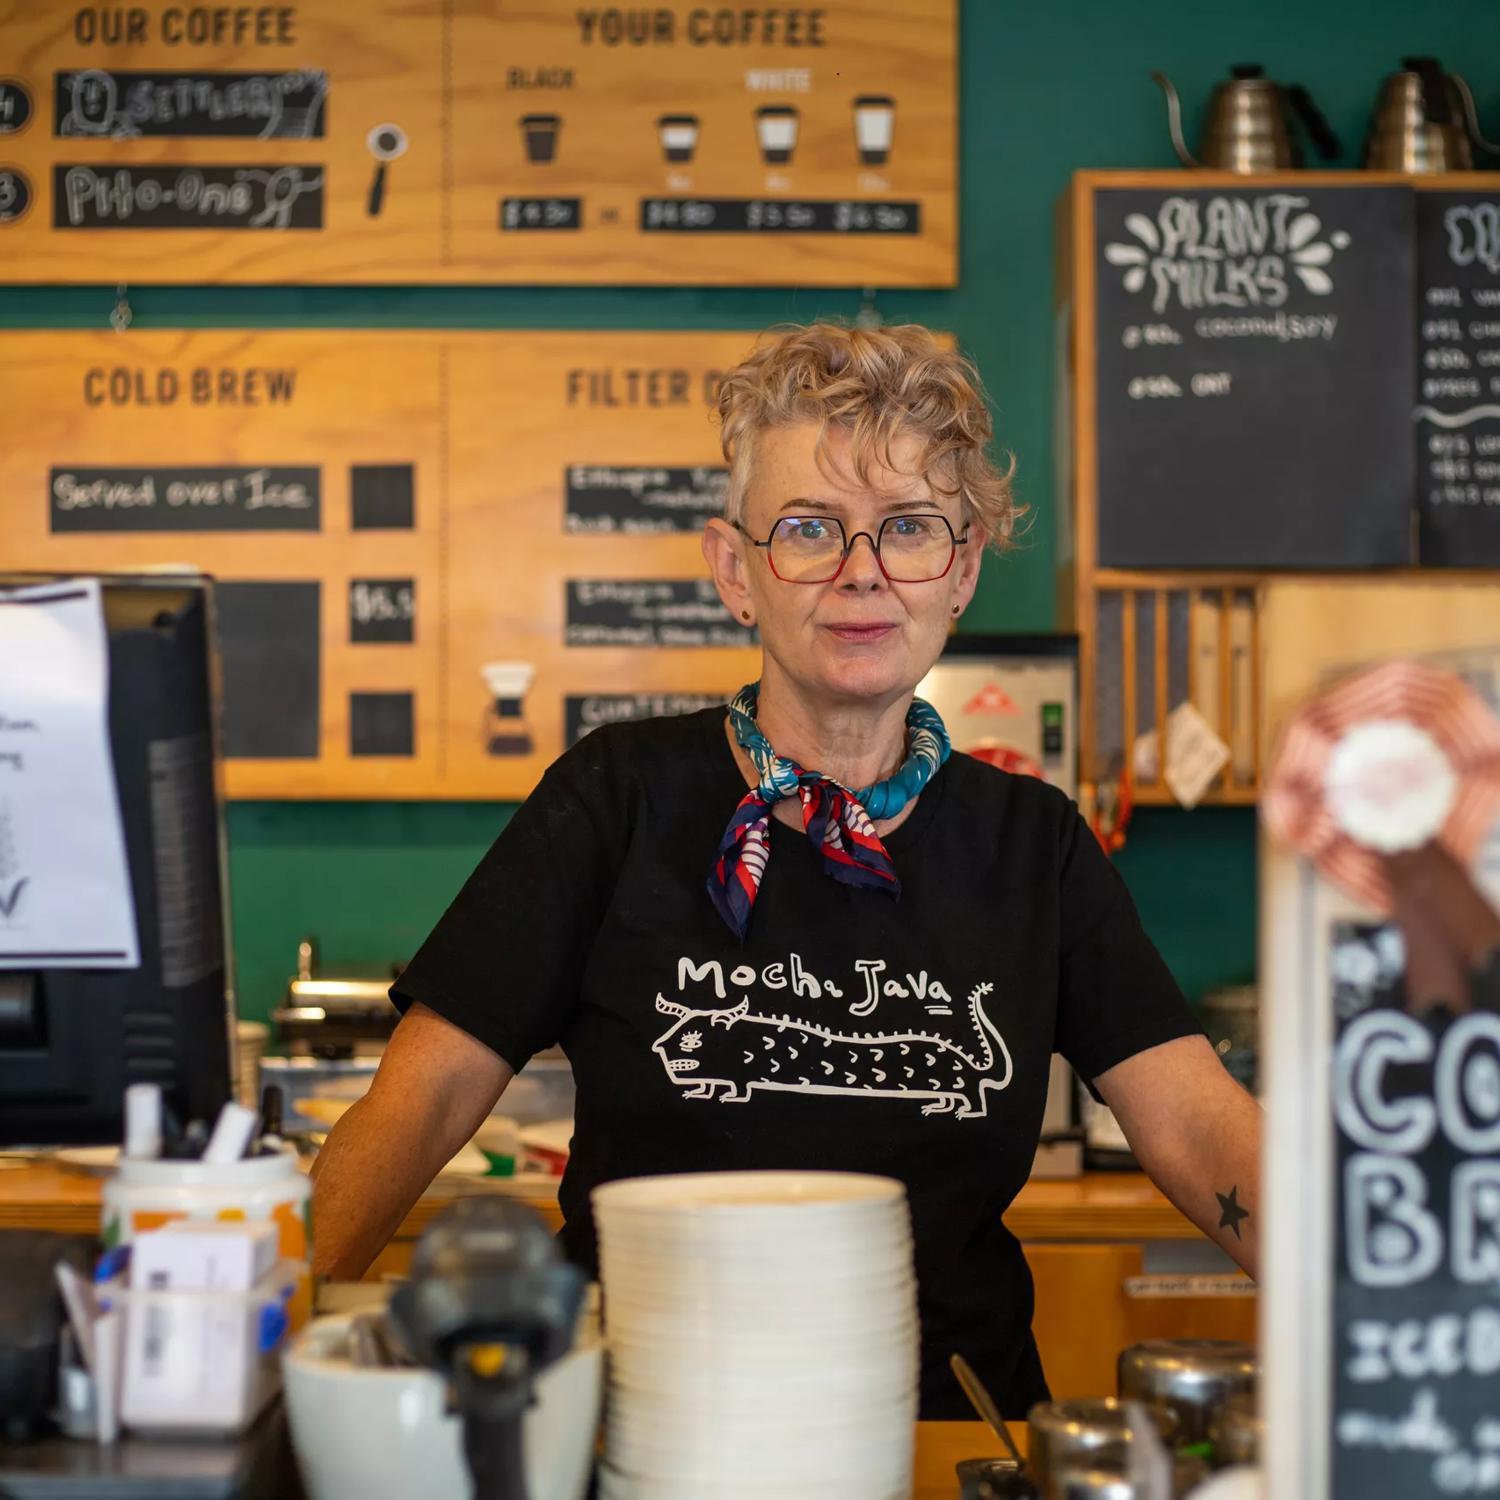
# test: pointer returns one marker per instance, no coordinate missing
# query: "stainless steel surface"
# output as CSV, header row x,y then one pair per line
x,y
1188,1472
1093,1484
1424,120
1471,115
1191,1377
1084,1435
1247,129
1403,138
982,1402
332,1017
1231,1017
340,994
1174,121
993,1479
1012,702
1250,124
1237,1431
303,1078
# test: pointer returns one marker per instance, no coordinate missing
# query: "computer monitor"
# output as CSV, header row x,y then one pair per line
x,y
72,1039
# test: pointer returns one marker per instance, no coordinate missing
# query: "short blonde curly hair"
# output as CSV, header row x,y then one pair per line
x,y
878,384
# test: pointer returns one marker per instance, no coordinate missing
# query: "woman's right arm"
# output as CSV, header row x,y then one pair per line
x,y
434,1087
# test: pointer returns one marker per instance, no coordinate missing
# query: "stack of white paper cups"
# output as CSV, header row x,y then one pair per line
x,y
762,1336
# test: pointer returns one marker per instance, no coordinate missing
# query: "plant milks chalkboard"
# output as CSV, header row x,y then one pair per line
x,y
1254,358
1458,383
1416,1290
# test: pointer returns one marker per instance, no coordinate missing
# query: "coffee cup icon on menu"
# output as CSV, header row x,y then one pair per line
x,y
679,136
505,729
539,133
874,128
776,129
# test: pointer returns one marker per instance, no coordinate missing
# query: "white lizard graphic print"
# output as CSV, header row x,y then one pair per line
x,y
727,1054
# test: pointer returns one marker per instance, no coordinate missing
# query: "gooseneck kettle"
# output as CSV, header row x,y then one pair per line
x,y
1424,121
1251,125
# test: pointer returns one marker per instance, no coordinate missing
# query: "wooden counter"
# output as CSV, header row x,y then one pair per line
x,y
1100,1206
1084,1238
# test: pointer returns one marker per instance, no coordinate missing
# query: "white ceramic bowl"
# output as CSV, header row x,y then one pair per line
x,y
643,1394
795,1260
882,1427
385,1434
762,1329
630,1301
724,1347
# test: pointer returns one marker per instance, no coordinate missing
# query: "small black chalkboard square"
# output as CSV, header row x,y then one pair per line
x,y
381,724
268,649
382,497
382,610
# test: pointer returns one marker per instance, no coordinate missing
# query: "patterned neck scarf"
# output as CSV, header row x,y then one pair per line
x,y
837,820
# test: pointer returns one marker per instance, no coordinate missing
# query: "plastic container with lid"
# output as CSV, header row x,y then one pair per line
x,y
142,1195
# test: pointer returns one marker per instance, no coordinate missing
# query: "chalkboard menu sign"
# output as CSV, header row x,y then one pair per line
x,y
169,497
244,195
584,714
650,612
1458,381
642,497
125,104
1416,1284
1254,349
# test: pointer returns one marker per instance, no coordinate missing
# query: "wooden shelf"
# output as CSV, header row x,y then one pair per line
x,y
1150,639
1233,796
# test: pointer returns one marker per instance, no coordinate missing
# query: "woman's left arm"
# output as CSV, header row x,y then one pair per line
x,y
1196,1133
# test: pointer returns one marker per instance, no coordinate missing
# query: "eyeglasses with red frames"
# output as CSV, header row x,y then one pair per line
x,y
917,548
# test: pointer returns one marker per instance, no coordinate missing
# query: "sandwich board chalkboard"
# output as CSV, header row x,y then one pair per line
x,y
1416,1280
1380,1335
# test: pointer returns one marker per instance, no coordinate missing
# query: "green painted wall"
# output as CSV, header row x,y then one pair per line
x,y
1047,88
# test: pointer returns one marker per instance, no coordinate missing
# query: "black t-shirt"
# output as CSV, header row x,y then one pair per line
x,y
850,1031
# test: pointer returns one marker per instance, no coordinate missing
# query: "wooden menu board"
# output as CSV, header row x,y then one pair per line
x,y
321,141
442,556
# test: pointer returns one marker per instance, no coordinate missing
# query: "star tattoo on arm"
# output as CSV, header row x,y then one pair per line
x,y
1230,1212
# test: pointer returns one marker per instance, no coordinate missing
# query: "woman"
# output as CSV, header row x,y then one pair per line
x,y
751,965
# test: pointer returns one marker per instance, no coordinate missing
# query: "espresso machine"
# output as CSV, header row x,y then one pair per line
x,y
329,1033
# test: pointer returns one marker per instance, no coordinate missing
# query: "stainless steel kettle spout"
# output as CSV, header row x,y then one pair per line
x,y
1174,122
1471,115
